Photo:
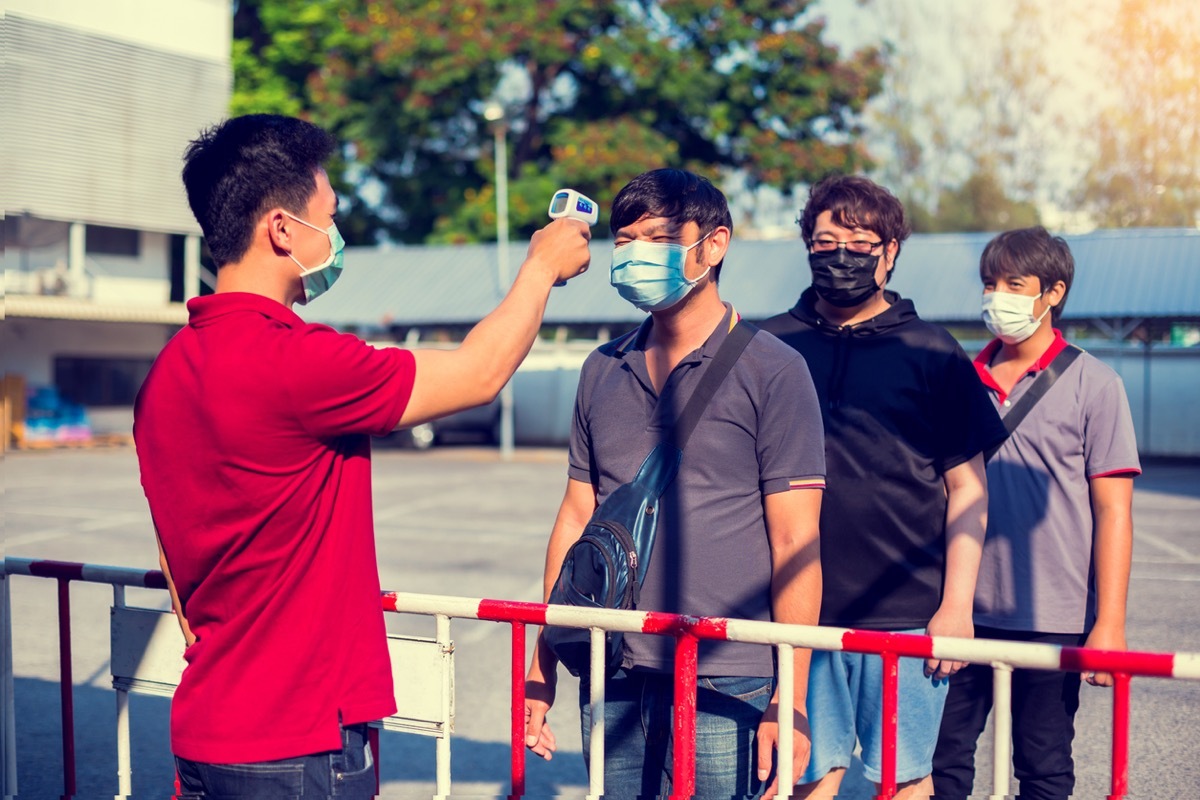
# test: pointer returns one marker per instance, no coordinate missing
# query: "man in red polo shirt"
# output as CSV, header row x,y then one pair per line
x,y
252,433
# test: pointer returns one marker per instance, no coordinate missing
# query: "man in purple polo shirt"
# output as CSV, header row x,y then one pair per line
x,y
1055,567
738,527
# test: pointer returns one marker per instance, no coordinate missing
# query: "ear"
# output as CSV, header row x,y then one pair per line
x,y
279,229
716,245
1054,295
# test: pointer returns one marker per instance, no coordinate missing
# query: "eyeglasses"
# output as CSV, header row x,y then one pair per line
x,y
861,247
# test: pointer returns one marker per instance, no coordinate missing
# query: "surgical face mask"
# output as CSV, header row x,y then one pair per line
x,y
316,280
844,279
651,274
1010,316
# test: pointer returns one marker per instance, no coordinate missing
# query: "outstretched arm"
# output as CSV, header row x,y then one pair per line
x,y
474,373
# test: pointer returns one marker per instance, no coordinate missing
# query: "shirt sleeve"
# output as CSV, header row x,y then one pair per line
x,y
581,465
1109,441
966,420
339,384
791,435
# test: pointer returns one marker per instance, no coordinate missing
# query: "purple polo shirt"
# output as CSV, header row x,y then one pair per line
x,y
1037,571
760,434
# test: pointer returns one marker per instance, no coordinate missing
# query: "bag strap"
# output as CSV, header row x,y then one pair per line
x,y
726,356
1036,392
660,466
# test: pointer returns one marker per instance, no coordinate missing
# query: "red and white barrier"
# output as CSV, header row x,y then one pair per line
x,y
688,630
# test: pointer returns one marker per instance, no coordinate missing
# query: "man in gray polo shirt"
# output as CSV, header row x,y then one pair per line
x,y
1055,567
738,528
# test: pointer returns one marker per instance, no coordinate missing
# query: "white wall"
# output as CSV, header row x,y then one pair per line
x,y
196,28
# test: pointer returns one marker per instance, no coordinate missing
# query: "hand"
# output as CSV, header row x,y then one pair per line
x,y
948,623
539,696
561,248
1103,638
768,743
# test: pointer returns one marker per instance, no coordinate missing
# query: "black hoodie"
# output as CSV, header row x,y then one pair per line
x,y
901,404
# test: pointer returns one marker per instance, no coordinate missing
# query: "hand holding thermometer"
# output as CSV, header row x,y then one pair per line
x,y
572,204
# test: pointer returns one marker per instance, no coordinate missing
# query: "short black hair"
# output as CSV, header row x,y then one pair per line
x,y
674,194
855,202
1029,252
236,171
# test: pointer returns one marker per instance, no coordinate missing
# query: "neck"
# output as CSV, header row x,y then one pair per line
x,y
1032,348
688,325
853,315
256,276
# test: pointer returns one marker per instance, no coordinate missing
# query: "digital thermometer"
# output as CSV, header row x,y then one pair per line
x,y
570,203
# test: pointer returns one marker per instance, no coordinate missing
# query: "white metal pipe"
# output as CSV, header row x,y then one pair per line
x,y
596,750
8,733
787,683
443,742
1001,728
124,760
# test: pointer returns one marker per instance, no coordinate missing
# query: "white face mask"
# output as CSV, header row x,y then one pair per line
x,y
1010,316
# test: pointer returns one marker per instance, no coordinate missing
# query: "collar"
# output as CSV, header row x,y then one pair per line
x,y
983,361
637,339
208,309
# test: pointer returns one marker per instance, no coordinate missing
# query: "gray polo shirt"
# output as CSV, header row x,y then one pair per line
x,y
1037,567
760,434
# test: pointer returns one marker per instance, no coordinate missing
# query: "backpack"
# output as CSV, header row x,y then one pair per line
x,y
606,566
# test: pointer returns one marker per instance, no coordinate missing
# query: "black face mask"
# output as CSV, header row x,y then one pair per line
x,y
842,278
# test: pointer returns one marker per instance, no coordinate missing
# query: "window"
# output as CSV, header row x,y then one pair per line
x,y
99,381
104,241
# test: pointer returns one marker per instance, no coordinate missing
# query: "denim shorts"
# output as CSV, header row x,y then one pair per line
x,y
845,702
349,773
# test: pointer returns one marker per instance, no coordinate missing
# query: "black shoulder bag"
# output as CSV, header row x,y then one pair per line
x,y
606,566
1041,385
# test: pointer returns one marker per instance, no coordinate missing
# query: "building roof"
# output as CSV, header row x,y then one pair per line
x,y
48,307
1136,273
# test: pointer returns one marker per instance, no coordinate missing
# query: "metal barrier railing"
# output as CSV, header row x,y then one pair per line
x,y
688,631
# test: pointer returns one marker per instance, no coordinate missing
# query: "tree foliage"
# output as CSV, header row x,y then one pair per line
x,y
1146,170
594,93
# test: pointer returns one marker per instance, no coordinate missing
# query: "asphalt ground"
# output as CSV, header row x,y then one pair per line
x,y
458,521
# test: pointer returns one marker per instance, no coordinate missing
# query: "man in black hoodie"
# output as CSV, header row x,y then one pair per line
x,y
904,514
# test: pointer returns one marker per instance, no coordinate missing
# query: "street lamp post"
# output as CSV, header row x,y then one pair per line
x,y
494,113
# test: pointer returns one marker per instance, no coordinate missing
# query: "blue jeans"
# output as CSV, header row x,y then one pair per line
x,y
349,772
639,728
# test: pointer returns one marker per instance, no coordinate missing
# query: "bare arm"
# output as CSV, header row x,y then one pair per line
x,y
966,524
793,527
576,509
474,373
188,637
1112,547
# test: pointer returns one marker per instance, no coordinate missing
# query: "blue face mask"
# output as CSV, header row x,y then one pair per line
x,y
651,274
316,280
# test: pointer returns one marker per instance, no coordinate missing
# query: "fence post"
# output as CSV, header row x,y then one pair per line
x,y
598,670
786,769
66,686
1120,746
891,719
8,728
518,709
1002,725
687,655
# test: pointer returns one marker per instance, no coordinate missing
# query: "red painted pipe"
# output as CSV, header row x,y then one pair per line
x,y
1120,748
65,685
518,709
687,657
891,720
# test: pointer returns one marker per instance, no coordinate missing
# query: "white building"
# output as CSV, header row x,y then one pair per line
x,y
100,248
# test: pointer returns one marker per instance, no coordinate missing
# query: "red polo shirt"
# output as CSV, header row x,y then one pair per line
x,y
252,433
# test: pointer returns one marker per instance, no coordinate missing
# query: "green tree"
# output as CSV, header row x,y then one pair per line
x,y
979,204
1146,170
595,91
